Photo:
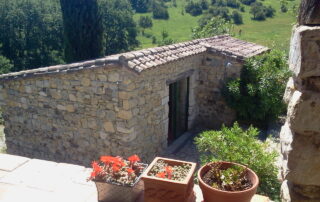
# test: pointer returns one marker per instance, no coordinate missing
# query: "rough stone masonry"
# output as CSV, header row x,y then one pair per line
x,y
300,136
117,105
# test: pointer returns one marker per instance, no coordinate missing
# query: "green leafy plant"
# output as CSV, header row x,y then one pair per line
x,y
234,178
214,26
241,146
166,40
257,95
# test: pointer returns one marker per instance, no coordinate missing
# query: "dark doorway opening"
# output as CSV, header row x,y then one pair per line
x,y
178,109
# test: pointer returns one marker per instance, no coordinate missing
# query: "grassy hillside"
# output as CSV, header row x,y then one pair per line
x,y
273,32
178,26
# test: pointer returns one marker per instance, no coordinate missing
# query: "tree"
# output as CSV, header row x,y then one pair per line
x,y
83,29
145,22
5,65
159,11
257,10
247,2
120,30
284,6
237,18
215,26
204,4
31,33
221,3
233,3
141,6
213,11
261,12
269,11
193,9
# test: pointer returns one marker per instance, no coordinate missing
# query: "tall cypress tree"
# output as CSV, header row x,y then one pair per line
x,y
83,30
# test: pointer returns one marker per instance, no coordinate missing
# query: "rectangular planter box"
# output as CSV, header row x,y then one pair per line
x,y
113,192
158,189
116,193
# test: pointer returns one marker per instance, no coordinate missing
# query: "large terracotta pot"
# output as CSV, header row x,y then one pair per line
x,y
211,194
165,190
113,192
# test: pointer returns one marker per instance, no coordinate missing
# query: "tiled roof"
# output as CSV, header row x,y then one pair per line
x,y
234,47
141,60
224,44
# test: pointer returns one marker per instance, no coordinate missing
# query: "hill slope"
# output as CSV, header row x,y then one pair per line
x,y
273,32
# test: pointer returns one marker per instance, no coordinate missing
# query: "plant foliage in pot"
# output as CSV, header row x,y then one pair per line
x,y
117,179
227,182
169,180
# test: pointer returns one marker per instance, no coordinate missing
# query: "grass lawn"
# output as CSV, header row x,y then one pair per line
x,y
178,26
274,32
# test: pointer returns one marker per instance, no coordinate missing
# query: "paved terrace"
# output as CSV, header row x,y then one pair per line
x,y
24,179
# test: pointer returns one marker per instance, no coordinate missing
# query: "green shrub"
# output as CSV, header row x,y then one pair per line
x,y
261,12
257,95
233,3
194,9
215,11
212,27
241,146
204,4
247,2
145,22
237,18
160,12
5,64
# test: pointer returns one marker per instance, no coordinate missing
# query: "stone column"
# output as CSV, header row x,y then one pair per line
x,y
300,136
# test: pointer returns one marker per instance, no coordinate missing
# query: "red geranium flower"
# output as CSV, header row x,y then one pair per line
x,y
109,159
116,168
130,171
161,175
169,171
96,169
134,158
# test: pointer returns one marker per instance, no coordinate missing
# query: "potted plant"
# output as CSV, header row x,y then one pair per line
x,y
117,179
169,180
227,182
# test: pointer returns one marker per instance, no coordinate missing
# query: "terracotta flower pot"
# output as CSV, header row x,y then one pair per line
x,y
114,192
211,194
159,189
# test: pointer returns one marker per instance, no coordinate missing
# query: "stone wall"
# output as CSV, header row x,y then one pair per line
x,y
66,117
300,136
215,70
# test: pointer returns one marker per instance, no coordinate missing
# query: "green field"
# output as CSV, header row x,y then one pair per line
x,y
274,32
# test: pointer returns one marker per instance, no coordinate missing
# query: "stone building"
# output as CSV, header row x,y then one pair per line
x,y
131,103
